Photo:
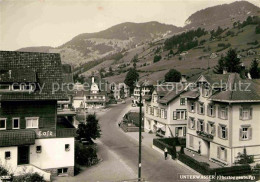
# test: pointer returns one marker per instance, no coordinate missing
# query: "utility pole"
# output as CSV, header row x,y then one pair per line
x,y
140,104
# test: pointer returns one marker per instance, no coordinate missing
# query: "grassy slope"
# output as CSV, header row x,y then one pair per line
x,y
193,64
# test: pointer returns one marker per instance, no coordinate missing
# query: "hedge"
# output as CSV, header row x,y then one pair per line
x,y
170,144
204,168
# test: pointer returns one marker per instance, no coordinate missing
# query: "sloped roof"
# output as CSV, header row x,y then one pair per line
x,y
47,69
239,90
17,75
168,92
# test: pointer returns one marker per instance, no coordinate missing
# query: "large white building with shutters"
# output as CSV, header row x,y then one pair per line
x,y
223,117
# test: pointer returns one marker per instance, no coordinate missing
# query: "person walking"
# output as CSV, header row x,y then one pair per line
x,y
165,153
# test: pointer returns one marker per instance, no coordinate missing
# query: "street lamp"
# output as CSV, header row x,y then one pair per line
x,y
140,104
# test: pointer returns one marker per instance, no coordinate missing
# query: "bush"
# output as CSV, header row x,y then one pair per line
x,y
3,171
29,177
157,58
85,155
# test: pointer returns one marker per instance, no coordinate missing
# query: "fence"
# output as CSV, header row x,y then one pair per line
x,y
204,169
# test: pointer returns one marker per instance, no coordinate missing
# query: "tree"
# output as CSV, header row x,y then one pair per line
x,y
232,62
254,70
220,66
122,92
172,76
131,77
89,130
157,58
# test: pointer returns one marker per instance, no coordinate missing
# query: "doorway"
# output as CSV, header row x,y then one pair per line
x,y
23,155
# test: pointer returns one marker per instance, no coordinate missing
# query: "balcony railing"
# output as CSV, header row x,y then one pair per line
x,y
205,135
66,132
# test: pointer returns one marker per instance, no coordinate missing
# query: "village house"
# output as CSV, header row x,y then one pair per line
x,y
119,90
29,125
146,89
165,112
93,94
223,117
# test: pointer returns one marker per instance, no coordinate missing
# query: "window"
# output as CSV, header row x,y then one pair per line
x,y
192,123
192,107
180,114
2,124
222,132
223,112
222,153
211,128
7,155
4,87
32,122
201,125
245,133
38,149
201,108
67,147
211,110
62,171
151,110
245,113
182,102
16,123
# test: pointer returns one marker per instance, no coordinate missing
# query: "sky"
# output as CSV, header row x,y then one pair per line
x,y
26,23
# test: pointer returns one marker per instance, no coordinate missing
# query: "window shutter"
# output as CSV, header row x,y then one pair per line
x,y
219,132
194,104
240,133
214,111
165,114
184,131
185,115
219,109
176,132
251,113
250,133
189,123
198,108
226,133
226,113
207,127
41,124
241,113
218,152
214,130
198,125
203,126
174,115
208,110
225,154
203,109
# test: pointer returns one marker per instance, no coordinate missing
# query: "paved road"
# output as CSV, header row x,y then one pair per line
x,y
119,152
154,167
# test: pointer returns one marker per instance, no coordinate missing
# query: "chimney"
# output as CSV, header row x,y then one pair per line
x,y
93,79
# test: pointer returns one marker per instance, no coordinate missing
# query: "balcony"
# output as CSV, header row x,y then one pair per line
x,y
65,129
205,135
66,132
